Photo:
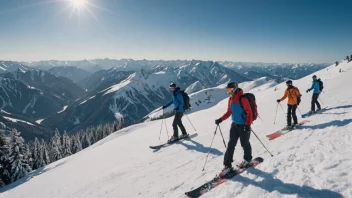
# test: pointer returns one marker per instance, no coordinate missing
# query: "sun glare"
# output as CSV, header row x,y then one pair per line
x,y
78,4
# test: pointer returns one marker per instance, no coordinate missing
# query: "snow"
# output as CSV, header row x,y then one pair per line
x,y
87,100
16,120
2,111
63,109
314,161
39,121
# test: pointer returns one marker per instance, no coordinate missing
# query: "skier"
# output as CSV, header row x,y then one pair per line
x,y
294,98
348,58
336,63
177,100
351,58
240,127
316,91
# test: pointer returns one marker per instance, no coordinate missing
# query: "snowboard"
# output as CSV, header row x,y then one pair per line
x,y
217,180
284,131
170,143
305,115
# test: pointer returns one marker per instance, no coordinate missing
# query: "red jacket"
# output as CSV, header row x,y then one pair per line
x,y
240,114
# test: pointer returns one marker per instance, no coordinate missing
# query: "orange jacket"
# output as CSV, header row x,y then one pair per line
x,y
292,94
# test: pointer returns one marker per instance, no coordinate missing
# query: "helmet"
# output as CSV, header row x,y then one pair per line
x,y
173,85
289,82
232,85
314,76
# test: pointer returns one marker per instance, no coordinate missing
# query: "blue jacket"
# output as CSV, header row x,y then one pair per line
x,y
177,99
315,87
240,115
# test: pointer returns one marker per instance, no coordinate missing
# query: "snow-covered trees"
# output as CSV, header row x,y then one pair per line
x,y
56,147
17,156
4,161
46,154
66,145
38,156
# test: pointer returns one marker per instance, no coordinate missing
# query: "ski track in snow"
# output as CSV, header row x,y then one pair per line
x,y
313,161
17,120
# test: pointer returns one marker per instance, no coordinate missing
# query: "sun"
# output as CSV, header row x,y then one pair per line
x,y
78,4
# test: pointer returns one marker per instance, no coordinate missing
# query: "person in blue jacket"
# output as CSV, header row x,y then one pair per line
x,y
316,91
177,100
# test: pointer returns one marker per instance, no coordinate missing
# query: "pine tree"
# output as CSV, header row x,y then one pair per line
x,y
56,146
77,145
86,139
29,157
46,155
66,145
17,158
4,161
38,154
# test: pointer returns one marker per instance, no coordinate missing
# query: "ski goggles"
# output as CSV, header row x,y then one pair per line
x,y
229,90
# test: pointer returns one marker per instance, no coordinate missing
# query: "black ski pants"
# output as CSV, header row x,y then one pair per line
x,y
237,132
291,113
178,122
315,101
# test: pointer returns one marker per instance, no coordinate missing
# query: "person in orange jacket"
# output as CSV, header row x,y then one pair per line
x,y
294,98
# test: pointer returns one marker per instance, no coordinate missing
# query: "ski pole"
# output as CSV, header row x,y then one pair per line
x,y
190,121
161,128
262,143
206,159
277,108
282,108
299,111
222,136
167,131
321,102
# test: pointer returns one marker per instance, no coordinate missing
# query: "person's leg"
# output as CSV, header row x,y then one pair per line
x,y
317,102
312,108
246,145
289,113
174,125
179,123
294,116
228,157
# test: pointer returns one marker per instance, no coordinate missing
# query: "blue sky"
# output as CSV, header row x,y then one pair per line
x,y
234,30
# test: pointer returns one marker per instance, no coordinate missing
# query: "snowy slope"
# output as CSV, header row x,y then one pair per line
x,y
314,161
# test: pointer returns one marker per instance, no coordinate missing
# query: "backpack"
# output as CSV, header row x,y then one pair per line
x,y
186,104
251,99
321,85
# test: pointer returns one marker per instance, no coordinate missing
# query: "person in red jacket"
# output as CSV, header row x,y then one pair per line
x,y
241,113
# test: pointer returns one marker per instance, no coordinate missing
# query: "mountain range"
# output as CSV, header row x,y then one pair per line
x,y
73,95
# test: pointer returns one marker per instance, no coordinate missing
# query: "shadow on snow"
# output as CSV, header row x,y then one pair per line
x,y
338,123
270,184
200,147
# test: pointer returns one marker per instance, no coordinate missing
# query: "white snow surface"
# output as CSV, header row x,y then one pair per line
x,y
314,161
63,109
39,121
17,120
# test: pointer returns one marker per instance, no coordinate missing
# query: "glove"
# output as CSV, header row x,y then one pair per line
x,y
218,121
247,128
163,107
307,90
176,109
278,100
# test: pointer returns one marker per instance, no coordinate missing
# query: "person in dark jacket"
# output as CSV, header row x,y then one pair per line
x,y
177,100
240,127
316,92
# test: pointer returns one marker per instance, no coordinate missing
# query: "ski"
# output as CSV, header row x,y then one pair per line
x,y
170,143
305,115
217,180
284,131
